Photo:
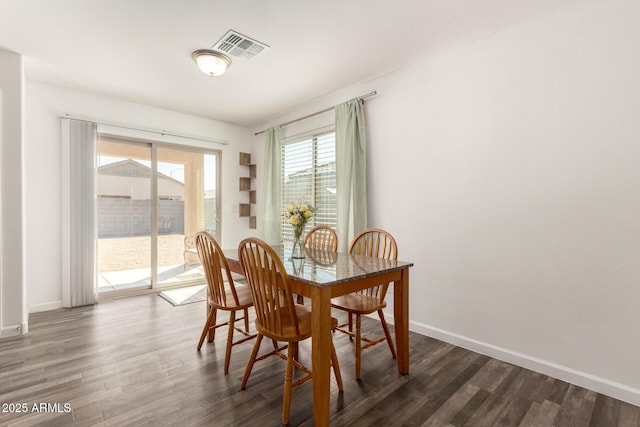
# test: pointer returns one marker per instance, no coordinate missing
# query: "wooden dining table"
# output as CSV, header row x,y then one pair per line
x,y
323,275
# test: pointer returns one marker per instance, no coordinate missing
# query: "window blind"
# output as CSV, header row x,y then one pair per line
x,y
309,175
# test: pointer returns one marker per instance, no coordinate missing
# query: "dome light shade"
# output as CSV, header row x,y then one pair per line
x,y
211,62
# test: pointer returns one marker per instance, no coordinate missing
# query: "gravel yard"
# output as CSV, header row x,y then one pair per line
x,y
130,253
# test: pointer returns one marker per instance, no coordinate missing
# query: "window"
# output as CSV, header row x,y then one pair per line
x,y
151,198
309,174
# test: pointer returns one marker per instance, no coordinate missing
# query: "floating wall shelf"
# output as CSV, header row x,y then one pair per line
x,y
245,184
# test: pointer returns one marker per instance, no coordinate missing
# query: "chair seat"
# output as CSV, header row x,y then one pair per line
x,y
288,331
358,303
244,299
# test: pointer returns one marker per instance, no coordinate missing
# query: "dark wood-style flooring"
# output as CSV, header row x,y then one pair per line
x,y
133,362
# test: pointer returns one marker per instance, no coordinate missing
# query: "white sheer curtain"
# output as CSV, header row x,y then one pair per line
x,y
271,188
351,171
79,213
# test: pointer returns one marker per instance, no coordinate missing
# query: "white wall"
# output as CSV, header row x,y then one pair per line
x,y
13,316
508,170
44,105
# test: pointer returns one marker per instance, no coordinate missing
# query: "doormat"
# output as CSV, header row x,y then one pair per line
x,y
188,295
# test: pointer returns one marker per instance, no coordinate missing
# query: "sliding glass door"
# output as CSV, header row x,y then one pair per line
x,y
151,200
187,203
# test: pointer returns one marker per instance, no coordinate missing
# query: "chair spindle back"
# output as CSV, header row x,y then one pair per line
x,y
321,237
213,262
269,284
378,243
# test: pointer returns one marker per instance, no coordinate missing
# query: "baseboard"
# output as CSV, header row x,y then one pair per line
x,y
600,385
45,307
11,331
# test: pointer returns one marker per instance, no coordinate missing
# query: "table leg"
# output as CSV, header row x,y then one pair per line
x,y
401,320
321,353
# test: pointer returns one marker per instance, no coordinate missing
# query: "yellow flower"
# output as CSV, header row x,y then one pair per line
x,y
294,220
307,214
290,208
304,207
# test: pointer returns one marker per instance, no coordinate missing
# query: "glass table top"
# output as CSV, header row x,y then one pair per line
x,y
326,268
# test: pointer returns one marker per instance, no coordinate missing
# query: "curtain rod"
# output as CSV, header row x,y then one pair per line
x,y
316,113
159,132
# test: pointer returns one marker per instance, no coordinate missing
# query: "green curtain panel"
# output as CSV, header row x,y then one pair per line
x,y
272,206
351,171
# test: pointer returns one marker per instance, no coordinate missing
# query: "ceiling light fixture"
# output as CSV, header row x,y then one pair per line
x,y
211,62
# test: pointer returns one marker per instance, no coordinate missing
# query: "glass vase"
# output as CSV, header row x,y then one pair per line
x,y
297,252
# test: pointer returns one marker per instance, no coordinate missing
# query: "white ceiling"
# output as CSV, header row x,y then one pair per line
x,y
140,50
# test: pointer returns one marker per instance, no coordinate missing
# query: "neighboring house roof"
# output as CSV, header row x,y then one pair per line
x,y
131,168
321,169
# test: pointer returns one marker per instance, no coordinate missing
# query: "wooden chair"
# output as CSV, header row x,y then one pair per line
x,y
378,243
220,296
319,238
277,317
190,252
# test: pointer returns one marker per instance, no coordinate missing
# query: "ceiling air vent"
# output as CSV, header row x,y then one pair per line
x,y
239,45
